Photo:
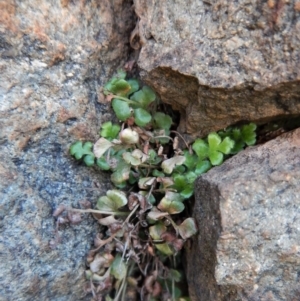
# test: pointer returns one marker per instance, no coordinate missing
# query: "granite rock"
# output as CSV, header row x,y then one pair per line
x,y
221,62
54,58
248,212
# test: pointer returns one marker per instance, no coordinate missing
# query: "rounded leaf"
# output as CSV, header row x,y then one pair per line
x,y
144,96
188,228
109,130
213,141
121,108
248,133
101,162
171,203
169,164
141,117
162,121
134,86
89,160
215,157
118,268
201,148
118,197
226,146
78,149
101,146
202,167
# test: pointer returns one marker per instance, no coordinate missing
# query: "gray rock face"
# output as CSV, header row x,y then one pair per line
x,y
221,62
249,226
54,58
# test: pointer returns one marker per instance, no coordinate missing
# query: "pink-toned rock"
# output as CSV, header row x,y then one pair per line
x,y
221,62
54,58
248,212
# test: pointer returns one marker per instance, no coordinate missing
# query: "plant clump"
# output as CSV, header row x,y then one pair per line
x,y
138,256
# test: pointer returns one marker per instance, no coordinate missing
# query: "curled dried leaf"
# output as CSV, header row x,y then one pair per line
x,y
97,263
60,209
74,217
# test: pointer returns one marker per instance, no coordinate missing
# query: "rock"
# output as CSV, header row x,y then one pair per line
x,y
248,212
54,58
221,62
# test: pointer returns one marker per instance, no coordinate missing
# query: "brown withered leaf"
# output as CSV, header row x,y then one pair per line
x,y
60,209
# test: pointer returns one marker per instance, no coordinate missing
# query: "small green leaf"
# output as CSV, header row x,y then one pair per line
x,y
171,203
105,204
118,87
121,173
162,121
201,148
109,130
78,149
110,87
164,248
118,268
169,164
215,148
188,228
179,182
118,197
132,178
182,186
101,162
141,117
153,157
89,160
121,108
157,230
157,173
113,200
215,157
213,140
226,146
188,191
190,159
134,86
174,275
144,96
248,133
190,177
179,169
202,167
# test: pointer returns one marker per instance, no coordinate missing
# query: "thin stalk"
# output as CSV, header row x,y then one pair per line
x,y
120,290
130,215
98,211
157,137
173,224
173,289
164,190
181,138
150,191
148,166
126,100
